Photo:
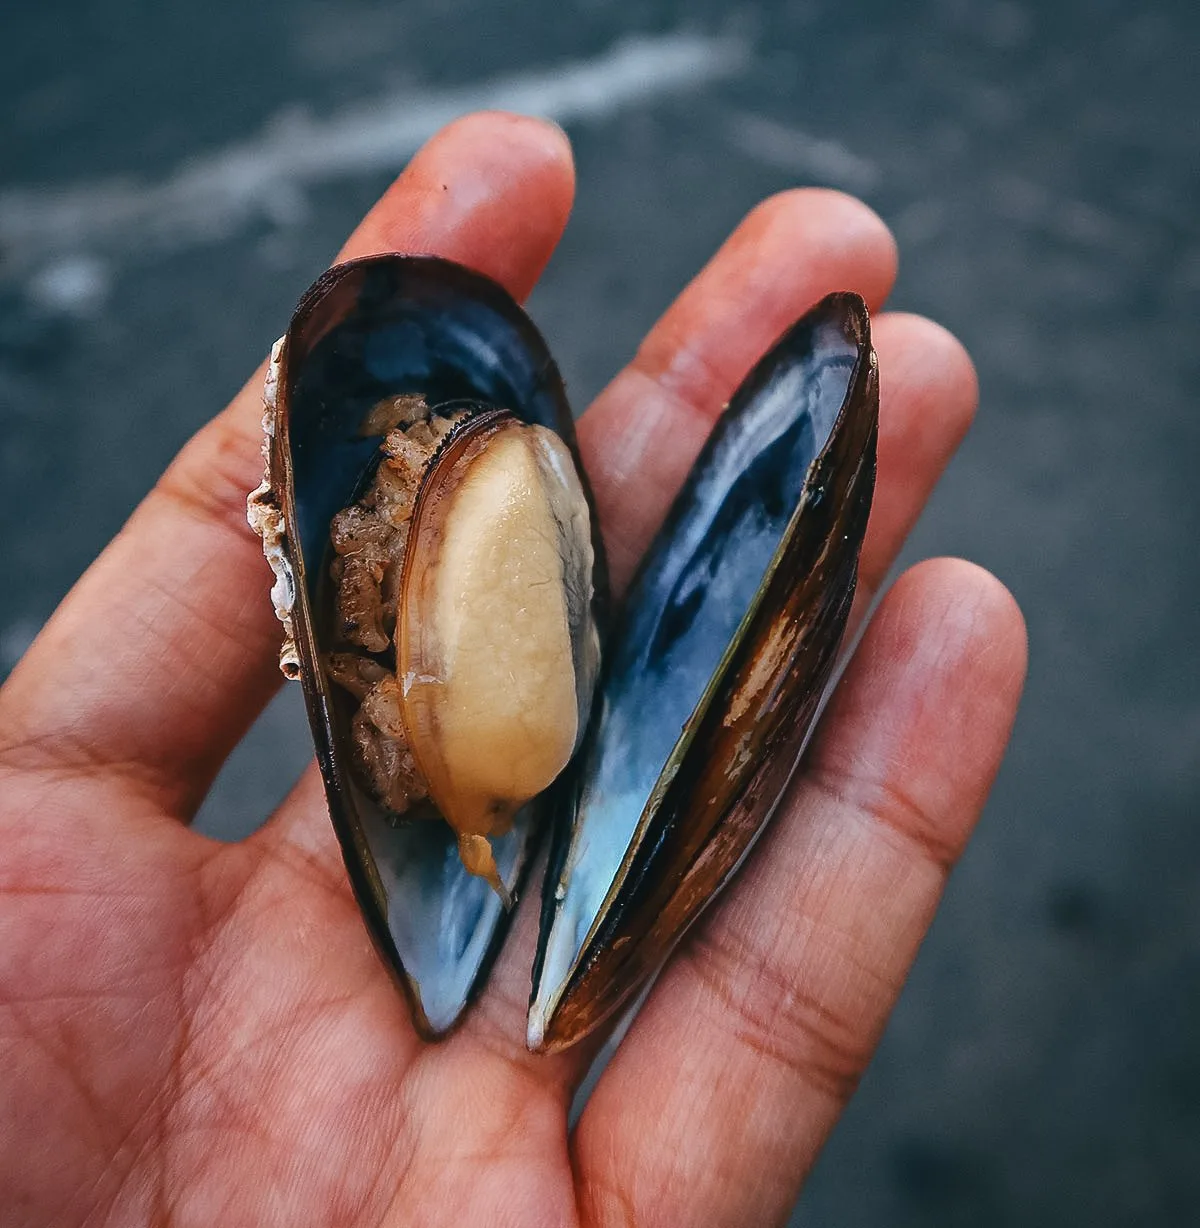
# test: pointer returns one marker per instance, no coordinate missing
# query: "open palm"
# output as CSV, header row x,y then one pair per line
x,y
197,1033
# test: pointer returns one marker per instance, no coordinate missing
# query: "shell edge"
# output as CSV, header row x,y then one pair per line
x,y
265,516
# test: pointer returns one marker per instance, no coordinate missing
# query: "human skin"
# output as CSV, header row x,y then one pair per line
x,y
198,1033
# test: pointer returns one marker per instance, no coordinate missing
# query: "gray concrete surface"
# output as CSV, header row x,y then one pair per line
x,y
1041,167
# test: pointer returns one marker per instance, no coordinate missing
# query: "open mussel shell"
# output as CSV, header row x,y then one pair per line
x,y
368,330
715,671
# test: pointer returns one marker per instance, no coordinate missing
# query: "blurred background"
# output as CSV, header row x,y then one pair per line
x,y
172,176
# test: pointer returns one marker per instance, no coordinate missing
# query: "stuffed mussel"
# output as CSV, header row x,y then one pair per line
x,y
441,581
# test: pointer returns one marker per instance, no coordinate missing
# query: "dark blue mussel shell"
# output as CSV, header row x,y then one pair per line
x,y
715,671
369,329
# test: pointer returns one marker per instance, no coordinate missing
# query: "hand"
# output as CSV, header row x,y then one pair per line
x,y
198,1033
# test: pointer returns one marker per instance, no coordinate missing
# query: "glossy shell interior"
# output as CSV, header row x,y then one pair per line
x,y
367,330
715,671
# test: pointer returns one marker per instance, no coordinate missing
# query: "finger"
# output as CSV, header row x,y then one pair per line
x,y
645,429
756,1035
928,393
163,653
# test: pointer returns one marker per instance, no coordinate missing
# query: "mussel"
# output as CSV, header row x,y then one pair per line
x,y
441,579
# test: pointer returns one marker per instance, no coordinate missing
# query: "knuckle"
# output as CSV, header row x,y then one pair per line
x,y
888,805
212,475
769,1012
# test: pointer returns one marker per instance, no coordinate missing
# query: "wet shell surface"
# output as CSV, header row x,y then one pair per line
x,y
716,671
442,586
